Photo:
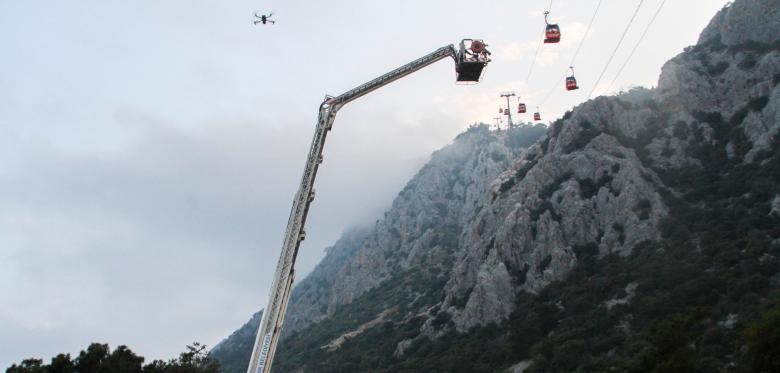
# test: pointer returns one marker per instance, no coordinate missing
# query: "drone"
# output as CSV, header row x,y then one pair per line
x,y
264,19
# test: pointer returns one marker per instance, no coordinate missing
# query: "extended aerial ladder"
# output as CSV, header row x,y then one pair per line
x,y
470,61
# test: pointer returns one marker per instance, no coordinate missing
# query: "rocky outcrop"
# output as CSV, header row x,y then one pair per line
x,y
315,296
744,22
580,191
422,225
733,71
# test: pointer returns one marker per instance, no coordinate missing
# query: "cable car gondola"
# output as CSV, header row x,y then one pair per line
x,y
552,33
537,116
521,108
571,81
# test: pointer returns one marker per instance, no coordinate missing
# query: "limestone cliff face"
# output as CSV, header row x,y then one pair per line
x,y
743,22
578,189
422,225
315,295
736,63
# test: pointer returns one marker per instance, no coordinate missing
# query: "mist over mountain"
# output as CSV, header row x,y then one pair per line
x,y
639,232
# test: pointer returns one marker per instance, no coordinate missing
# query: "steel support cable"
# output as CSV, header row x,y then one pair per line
x,y
630,55
587,31
552,90
538,47
622,37
576,53
533,62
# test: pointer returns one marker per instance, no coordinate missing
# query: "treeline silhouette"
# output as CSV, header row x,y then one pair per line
x,y
98,358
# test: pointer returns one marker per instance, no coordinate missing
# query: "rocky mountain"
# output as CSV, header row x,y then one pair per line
x,y
233,352
420,227
640,232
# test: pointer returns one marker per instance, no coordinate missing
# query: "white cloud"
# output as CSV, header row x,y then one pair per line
x,y
515,51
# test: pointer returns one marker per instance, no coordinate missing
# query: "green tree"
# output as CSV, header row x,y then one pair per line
x,y
763,343
98,358
196,360
28,366
122,360
156,366
668,349
91,360
62,363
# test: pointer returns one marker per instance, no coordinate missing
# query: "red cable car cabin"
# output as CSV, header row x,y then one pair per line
x,y
521,108
571,83
537,116
552,34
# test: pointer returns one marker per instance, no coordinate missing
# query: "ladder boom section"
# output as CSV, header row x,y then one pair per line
x,y
409,68
273,314
270,327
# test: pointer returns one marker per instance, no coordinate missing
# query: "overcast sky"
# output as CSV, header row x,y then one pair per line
x,y
150,150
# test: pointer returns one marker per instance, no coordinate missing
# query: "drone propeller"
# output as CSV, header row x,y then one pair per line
x,y
264,19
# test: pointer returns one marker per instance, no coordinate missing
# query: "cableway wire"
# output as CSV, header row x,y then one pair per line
x,y
636,46
576,53
592,18
538,47
622,37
